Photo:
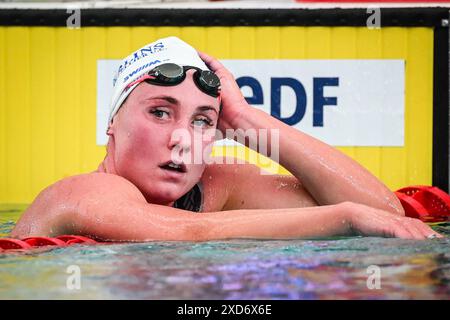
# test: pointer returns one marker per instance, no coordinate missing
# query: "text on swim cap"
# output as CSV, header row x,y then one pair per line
x,y
137,55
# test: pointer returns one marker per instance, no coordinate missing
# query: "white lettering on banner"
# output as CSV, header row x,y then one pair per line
x,y
341,102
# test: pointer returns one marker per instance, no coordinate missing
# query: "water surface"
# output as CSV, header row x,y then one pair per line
x,y
238,269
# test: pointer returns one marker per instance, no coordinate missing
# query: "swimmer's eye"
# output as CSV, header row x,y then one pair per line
x,y
159,113
205,122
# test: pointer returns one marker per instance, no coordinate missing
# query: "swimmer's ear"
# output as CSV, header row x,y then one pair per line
x,y
111,126
109,131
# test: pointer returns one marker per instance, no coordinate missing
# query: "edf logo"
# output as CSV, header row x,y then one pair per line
x,y
319,100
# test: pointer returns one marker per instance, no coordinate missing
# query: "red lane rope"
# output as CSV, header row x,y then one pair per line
x,y
8,244
427,203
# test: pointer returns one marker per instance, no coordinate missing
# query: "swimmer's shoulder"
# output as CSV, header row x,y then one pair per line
x,y
219,180
243,186
67,196
97,182
229,169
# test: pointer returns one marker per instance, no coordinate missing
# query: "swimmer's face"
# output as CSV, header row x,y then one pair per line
x,y
156,125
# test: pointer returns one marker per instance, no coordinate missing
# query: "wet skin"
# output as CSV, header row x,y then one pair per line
x,y
130,196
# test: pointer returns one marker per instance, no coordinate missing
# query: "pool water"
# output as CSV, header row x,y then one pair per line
x,y
239,269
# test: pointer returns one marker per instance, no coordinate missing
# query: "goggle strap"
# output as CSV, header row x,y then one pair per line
x,y
139,80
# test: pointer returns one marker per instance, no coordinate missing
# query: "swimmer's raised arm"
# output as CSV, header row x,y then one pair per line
x,y
108,207
329,175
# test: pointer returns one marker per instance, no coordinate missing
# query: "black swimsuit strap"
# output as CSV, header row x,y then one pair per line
x,y
192,200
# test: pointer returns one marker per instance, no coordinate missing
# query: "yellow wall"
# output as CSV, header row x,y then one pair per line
x,y
48,92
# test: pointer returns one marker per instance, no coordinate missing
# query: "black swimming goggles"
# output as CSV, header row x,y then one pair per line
x,y
171,74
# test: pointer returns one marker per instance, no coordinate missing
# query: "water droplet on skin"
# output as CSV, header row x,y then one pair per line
x,y
281,185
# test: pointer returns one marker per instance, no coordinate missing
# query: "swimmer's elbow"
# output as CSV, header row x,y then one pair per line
x,y
393,205
397,208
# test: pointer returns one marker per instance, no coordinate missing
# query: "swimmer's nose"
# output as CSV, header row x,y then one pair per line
x,y
180,140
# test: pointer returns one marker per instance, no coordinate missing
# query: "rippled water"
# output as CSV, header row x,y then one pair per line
x,y
239,269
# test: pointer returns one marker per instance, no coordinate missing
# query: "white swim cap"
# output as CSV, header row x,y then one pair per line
x,y
171,49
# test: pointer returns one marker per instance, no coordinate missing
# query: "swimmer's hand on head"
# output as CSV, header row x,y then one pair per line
x,y
109,207
233,102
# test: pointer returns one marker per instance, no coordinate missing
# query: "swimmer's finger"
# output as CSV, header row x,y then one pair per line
x,y
419,229
205,57
400,231
405,228
414,227
426,230
211,62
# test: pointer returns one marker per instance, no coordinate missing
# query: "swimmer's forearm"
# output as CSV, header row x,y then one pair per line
x,y
160,223
315,164
286,223
108,207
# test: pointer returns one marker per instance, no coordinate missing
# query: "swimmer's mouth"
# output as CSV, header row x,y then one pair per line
x,y
173,166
